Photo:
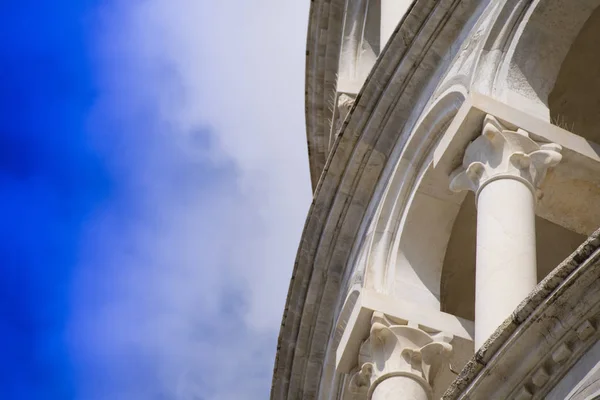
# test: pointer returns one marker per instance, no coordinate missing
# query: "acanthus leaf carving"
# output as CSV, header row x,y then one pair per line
x,y
504,153
399,350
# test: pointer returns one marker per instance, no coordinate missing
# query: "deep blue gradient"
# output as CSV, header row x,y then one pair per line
x,y
51,181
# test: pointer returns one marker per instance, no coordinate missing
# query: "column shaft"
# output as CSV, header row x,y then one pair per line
x,y
392,12
503,167
506,270
400,388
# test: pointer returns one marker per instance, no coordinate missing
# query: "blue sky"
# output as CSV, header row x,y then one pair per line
x,y
154,184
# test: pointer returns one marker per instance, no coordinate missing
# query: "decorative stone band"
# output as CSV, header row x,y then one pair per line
x,y
399,351
500,153
543,338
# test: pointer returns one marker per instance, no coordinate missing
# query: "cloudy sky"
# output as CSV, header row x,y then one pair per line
x,y
154,184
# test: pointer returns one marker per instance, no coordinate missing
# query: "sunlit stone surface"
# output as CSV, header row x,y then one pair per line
x,y
456,174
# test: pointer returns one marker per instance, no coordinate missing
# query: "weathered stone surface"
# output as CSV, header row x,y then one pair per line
x,y
563,290
356,162
383,219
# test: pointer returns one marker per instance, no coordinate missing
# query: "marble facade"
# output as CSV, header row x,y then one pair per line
x,y
455,184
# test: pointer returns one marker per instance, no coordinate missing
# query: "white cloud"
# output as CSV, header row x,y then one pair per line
x,y
185,273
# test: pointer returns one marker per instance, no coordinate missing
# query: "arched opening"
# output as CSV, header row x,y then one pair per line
x,y
423,237
574,101
360,45
539,46
407,251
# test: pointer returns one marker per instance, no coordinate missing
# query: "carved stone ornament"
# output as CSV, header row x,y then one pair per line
x,y
344,105
399,350
501,153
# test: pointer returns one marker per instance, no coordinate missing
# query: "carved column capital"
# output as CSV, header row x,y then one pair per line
x,y
399,350
503,153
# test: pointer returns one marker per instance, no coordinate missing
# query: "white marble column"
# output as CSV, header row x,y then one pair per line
x,y
399,362
504,168
392,12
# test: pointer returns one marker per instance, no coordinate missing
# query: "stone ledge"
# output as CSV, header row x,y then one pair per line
x,y
561,283
401,312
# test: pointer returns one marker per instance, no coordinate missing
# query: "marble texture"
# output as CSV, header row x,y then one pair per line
x,y
383,214
392,12
400,387
506,266
501,153
400,361
505,169
544,337
351,179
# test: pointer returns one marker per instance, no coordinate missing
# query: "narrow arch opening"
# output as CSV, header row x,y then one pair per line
x,y
574,101
539,47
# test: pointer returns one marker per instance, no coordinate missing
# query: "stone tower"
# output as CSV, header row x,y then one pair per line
x,y
450,249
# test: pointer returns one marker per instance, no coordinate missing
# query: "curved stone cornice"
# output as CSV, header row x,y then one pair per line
x,y
323,47
399,350
543,338
502,153
404,77
392,99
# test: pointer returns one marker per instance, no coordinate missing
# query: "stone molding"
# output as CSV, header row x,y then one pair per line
x,y
344,187
548,372
398,89
325,26
399,350
502,153
543,338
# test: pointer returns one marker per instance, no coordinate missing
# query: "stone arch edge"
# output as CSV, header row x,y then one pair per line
x,y
323,45
409,69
